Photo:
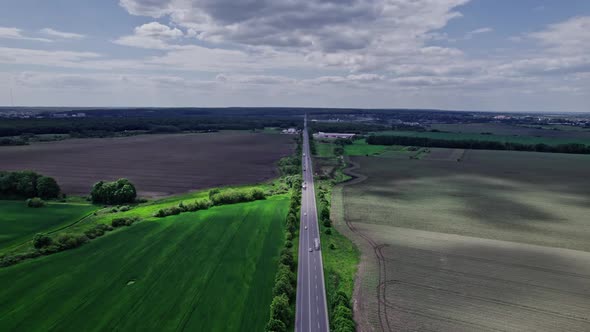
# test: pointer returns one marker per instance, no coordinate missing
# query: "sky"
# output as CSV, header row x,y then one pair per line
x,y
486,55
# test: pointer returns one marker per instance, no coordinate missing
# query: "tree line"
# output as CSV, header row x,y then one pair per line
x,y
108,126
27,184
574,148
284,290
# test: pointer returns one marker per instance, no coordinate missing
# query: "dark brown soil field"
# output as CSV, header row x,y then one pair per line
x,y
159,165
484,244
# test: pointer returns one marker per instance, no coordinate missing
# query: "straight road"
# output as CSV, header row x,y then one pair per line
x,y
312,309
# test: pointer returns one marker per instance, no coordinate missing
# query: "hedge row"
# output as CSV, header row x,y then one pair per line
x,y
216,197
46,245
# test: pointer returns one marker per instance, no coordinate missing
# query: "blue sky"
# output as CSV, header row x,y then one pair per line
x,y
496,55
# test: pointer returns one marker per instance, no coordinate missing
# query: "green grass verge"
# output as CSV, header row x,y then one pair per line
x,y
339,254
19,223
492,138
210,270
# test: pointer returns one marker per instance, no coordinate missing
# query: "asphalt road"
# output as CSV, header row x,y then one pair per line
x,y
312,309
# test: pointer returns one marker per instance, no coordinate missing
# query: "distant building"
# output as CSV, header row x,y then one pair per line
x,y
290,131
333,135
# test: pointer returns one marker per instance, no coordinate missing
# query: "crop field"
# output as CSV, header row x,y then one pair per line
x,y
495,242
210,270
19,223
575,137
159,165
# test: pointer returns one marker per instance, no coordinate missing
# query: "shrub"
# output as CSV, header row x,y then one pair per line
x,y
41,240
332,246
328,231
124,208
35,202
70,241
97,231
127,221
327,223
288,244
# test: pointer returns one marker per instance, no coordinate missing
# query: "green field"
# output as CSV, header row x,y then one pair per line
x,y
19,223
493,137
361,148
211,270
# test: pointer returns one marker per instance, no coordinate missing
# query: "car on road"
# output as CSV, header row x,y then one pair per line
x,y
304,213
310,249
305,227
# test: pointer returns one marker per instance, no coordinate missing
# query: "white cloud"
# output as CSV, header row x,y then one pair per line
x,y
60,34
15,33
152,35
571,36
479,31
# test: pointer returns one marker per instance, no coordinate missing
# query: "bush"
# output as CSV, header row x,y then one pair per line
x,y
35,202
97,231
127,221
70,241
327,223
332,246
288,244
328,231
118,192
237,196
41,240
124,208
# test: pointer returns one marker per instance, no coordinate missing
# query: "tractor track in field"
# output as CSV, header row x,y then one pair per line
x,y
381,261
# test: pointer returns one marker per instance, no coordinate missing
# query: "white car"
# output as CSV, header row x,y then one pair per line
x,y
305,227
304,213
310,249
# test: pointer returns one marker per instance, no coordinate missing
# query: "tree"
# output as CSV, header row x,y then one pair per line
x,y
325,214
119,192
283,286
41,240
279,308
47,187
275,325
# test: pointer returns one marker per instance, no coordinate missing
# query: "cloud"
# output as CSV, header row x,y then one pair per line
x,y
60,34
357,32
151,35
571,36
15,33
479,31
26,56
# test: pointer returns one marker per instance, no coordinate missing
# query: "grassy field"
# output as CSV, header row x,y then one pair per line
x,y
170,164
211,270
549,140
19,223
359,147
497,241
